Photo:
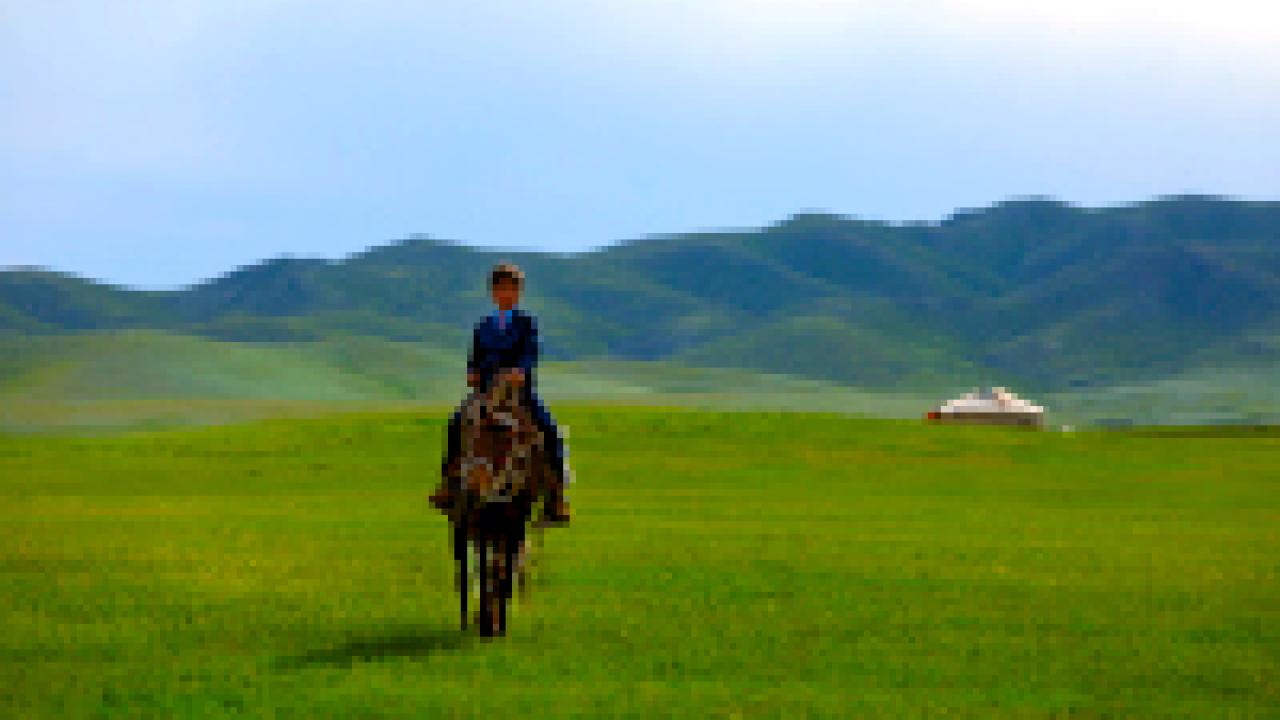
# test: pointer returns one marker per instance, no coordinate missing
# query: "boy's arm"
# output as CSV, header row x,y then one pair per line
x,y
529,353
473,367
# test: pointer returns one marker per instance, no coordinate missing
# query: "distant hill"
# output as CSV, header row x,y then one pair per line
x,y
1032,293
119,379
151,379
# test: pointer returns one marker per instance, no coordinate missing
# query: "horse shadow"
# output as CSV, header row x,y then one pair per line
x,y
414,641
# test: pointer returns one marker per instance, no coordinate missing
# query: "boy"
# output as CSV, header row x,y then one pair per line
x,y
507,342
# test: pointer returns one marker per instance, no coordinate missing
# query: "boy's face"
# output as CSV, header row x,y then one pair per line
x,y
506,293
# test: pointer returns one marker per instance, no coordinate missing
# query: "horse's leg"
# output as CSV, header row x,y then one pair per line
x,y
499,596
499,604
522,568
460,557
508,556
512,541
486,587
528,558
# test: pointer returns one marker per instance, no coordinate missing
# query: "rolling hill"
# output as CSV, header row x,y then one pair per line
x,y
1033,293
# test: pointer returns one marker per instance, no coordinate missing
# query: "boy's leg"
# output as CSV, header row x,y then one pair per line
x,y
556,507
444,495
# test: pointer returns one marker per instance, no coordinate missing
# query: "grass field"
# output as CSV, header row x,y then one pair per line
x,y
147,378
719,565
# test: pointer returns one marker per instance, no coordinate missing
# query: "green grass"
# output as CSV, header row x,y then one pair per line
x,y
1210,394
719,565
144,364
148,378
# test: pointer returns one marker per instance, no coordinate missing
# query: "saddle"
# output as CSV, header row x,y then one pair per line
x,y
502,455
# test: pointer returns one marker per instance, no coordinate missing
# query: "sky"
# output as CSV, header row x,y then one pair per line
x,y
159,144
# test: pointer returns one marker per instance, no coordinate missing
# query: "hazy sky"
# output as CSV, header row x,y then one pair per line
x,y
159,143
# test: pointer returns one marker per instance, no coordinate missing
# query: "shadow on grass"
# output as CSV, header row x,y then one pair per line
x,y
405,642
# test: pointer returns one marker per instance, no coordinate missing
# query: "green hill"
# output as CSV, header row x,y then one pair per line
x,y
142,377
1033,293
138,377
152,365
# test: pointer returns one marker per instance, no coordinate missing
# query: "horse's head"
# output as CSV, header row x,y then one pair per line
x,y
499,443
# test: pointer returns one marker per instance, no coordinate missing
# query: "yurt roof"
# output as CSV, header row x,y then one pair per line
x,y
987,400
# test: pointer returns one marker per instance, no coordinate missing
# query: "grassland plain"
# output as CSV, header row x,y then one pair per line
x,y
145,378
719,565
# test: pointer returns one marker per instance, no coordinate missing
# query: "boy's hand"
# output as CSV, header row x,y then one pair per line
x,y
473,379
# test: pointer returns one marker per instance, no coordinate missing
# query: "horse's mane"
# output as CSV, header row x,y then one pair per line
x,y
502,454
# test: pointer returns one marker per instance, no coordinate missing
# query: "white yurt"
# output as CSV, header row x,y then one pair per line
x,y
993,405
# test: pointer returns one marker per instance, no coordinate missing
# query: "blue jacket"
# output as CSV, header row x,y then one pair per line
x,y
516,346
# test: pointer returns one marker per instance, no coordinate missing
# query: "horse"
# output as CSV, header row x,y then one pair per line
x,y
503,472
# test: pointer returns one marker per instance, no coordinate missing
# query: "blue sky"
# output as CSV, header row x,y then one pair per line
x,y
156,144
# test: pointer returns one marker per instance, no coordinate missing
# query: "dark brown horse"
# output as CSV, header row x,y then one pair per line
x,y
503,470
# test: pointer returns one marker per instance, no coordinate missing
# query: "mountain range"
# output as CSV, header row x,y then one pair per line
x,y
1031,293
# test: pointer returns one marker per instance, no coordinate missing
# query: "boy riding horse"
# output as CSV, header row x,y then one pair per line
x,y
506,342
